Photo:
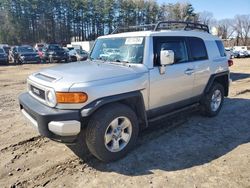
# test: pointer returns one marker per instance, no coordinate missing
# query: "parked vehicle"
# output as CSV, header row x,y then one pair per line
x,y
229,52
54,53
130,79
39,46
78,55
6,48
240,51
85,45
3,56
239,54
24,54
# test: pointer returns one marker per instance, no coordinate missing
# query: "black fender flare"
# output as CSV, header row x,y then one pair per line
x,y
133,99
213,77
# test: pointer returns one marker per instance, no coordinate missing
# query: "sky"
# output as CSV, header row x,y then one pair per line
x,y
221,9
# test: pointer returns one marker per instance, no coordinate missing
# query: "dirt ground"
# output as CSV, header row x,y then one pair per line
x,y
188,151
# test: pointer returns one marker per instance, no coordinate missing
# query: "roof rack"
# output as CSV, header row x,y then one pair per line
x,y
178,25
145,27
181,25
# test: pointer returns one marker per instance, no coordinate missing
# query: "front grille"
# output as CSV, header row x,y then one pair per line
x,y
37,92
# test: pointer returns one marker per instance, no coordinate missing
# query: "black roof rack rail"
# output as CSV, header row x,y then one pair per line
x,y
164,25
145,27
181,25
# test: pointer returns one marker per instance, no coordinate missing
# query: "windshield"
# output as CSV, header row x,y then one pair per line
x,y
1,51
119,49
25,49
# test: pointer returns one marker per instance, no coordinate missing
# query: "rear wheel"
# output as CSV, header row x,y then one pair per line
x,y
213,100
112,132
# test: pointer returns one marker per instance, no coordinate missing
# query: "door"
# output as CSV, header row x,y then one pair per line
x,y
173,88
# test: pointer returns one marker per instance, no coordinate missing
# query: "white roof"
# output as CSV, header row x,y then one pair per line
x,y
203,35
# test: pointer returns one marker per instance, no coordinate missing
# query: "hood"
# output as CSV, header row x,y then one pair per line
x,y
87,71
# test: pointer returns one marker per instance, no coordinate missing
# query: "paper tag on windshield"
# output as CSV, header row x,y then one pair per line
x,y
134,40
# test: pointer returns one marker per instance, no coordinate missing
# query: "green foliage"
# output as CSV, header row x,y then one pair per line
x,y
31,21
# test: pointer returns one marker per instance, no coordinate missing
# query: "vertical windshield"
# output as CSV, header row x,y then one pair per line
x,y
119,49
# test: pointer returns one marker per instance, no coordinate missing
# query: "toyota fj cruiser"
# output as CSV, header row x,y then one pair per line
x,y
131,78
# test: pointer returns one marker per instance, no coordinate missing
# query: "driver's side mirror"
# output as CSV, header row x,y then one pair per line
x,y
166,58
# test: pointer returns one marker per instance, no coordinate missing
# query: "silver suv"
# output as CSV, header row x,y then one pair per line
x,y
130,78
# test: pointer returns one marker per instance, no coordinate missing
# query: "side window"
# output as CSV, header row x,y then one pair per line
x,y
197,49
178,46
221,48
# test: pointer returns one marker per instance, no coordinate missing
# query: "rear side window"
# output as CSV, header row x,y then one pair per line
x,y
197,49
221,48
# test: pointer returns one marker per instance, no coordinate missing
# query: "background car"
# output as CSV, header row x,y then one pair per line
x,y
39,49
54,52
78,55
239,54
24,54
6,48
229,53
3,56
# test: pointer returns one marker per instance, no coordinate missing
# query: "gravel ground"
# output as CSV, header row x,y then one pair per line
x,y
188,151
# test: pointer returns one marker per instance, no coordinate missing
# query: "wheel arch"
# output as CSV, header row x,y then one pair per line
x,y
132,99
222,78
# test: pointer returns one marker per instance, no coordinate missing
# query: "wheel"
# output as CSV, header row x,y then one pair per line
x,y
213,100
112,132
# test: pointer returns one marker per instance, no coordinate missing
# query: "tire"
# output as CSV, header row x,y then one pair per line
x,y
102,123
210,99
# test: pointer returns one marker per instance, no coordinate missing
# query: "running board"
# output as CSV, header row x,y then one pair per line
x,y
173,113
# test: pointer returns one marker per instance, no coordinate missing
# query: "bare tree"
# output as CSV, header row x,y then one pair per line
x,y
242,28
205,17
225,28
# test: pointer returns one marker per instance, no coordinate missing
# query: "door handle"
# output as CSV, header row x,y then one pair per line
x,y
189,71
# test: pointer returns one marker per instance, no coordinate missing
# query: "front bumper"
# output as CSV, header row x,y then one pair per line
x,y
30,59
59,57
59,125
3,60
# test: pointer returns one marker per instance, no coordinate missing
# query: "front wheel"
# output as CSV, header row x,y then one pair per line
x,y
112,132
213,100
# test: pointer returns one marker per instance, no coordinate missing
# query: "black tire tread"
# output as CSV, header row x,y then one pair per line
x,y
95,128
206,109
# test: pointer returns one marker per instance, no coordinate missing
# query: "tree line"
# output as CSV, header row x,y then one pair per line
x,y
62,21
31,21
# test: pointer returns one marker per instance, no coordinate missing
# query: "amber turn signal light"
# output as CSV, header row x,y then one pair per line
x,y
71,97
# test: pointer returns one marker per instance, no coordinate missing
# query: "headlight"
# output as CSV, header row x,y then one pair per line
x,y
22,57
51,98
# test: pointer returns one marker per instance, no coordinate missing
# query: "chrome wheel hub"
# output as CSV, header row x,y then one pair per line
x,y
118,134
216,100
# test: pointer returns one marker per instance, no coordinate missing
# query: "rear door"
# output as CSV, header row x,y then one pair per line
x,y
199,58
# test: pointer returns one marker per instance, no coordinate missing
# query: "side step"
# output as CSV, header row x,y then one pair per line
x,y
173,112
